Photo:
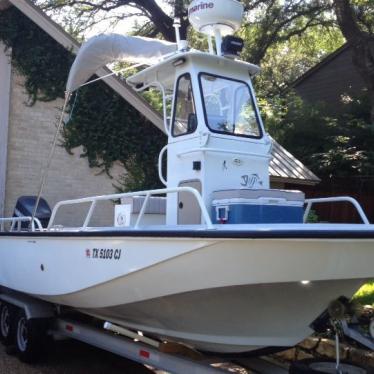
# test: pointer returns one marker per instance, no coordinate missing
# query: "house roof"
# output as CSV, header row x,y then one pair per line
x,y
283,167
4,4
320,65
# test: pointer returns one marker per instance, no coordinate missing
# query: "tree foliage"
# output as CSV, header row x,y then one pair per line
x,y
332,146
286,61
33,55
111,130
267,23
157,19
270,22
356,21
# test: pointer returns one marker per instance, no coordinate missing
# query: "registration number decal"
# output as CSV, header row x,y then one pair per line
x,y
104,253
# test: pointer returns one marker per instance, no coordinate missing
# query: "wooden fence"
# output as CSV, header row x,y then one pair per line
x,y
362,189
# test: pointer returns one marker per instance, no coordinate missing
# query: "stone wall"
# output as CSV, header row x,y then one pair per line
x,y
320,348
31,132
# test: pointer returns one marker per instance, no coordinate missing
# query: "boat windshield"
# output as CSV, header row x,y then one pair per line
x,y
229,106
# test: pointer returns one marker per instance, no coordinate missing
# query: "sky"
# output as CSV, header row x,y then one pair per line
x,y
123,27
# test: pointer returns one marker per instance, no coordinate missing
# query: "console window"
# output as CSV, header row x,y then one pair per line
x,y
184,118
229,107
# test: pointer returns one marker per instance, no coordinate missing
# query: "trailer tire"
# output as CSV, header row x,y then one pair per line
x,y
371,328
30,337
316,366
7,319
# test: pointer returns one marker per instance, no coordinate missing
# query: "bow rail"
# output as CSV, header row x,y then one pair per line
x,y
354,202
94,199
16,223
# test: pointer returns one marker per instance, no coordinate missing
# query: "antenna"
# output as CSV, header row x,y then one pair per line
x,y
218,38
182,44
177,25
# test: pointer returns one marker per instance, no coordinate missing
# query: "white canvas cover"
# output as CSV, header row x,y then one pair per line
x,y
106,48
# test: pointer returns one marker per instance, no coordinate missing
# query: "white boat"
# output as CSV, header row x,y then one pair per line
x,y
222,263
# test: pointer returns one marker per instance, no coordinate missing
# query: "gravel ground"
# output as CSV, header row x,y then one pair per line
x,y
72,357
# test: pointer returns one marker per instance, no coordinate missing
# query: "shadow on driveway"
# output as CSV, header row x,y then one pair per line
x,y
72,357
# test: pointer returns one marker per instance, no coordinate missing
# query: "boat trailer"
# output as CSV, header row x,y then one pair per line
x,y
112,338
126,343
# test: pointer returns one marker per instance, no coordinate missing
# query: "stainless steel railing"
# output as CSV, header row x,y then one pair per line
x,y
94,199
16,223
354,202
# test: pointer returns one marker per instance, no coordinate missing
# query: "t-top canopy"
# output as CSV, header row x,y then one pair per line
x,y
104,49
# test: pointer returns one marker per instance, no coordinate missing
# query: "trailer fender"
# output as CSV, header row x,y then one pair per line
x,y
33,308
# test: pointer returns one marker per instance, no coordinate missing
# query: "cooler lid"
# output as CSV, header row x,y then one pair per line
x,y
289,195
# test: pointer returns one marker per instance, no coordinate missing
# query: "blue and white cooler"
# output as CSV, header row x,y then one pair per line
x,y
257,206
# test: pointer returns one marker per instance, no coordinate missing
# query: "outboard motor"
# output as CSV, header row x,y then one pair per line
x,y
25,207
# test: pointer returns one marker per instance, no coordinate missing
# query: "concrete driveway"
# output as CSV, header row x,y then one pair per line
x,y
72,357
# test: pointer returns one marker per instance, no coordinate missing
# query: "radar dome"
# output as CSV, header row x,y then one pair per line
x,y
210,16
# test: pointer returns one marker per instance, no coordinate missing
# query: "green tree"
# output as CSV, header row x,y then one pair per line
x,y
336,146
266,24
356,21
285,61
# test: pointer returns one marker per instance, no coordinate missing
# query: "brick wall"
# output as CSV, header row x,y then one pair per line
x,y
31,131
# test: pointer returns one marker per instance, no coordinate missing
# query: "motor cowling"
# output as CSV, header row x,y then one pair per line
x,y
25,208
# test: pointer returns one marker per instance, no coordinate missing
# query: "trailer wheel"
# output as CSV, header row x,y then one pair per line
x,y
7,312
371,328
315,366
30,337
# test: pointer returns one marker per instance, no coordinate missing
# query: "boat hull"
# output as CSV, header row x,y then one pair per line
x,y
216,294
232,319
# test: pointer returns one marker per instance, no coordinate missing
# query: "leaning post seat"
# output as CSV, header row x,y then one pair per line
x,y
257,206
25,207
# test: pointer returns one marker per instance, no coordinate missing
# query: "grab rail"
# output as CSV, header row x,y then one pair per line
x,y
221,150
160,156
16,222
94,199
354,202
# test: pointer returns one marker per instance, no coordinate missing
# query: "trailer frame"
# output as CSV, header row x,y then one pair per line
x,y
129,348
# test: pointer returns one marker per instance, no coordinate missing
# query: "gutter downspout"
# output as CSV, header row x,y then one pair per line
x,y
5,79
